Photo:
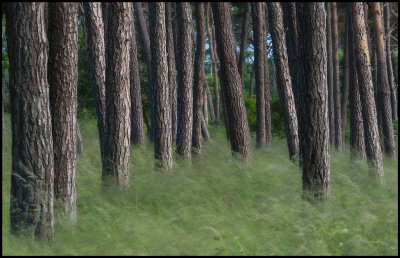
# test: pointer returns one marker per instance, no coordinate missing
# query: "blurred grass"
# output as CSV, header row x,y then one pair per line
x,y
218,206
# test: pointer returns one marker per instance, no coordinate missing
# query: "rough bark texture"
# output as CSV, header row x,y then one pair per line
x,y
231,86
258,32
63,81
372,145
283,75
243,40
314,92
357,142
32,176
393,97
345,85
159,65
137,125
185,73
267,84
383,84
335,85
198,90
118,102
171,70
97,64
331,113
104,10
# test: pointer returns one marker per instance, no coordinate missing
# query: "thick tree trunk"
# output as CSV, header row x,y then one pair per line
x,y
105,14
171,70
345,86
243,40
253,75
331,113
336,86
372,145
258,32
283,75
159,64
267,84
314,94
185,73
137,125
357,142
32,175
383,84
231,86
118,102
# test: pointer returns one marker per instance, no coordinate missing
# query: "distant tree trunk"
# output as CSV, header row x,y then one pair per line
x,y
97,64
357,142
258,32
267,84
159,64
383,90
253,70
137,125
205,102
225,112
232,88
171,70
372,145
197,144
32,175
185,73
393,98
336,86
118,102
144,37
284,83
209,101
331,113
345,86
204,130
243,40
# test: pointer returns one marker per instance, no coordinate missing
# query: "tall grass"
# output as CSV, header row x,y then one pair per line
x,y
218,206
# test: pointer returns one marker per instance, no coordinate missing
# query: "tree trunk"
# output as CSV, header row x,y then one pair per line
x,y
205,102
105,14
118,102
258,32
204,130
209,101
32,175
331,113
284,83
232,88
383,84
345,86
357,142
185,73
137,125
97,64
243,41
171,70
336,86
267,84
372,145
159,64
253,73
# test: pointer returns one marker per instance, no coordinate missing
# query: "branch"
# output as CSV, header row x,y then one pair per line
x,y
394,38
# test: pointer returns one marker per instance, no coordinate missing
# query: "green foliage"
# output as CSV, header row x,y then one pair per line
x,y
217,206
396,127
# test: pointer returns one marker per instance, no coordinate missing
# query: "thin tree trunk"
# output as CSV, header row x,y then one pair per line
x,y
331,113
209,101
253,70
372,145
204,130
32,174
345,86
205,102
243,42
267,84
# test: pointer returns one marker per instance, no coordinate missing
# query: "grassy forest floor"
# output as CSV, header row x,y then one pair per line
x,y
218,206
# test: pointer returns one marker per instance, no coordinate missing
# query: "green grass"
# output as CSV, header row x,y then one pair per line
x,y
218,206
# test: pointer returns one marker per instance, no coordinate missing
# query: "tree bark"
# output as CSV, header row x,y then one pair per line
x,y
231,85
32,175
185,73
118,102
267,84
159,64
372,145
314,94
383,84
104,10
243,42
204,130
330,76
209,101
283,75
345,86
253,73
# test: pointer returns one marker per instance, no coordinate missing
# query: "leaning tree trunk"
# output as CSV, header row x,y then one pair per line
x,y
209,101
97,64
63,81
314,94
357,142
284,83
198,90
159,65
232,88
345,86
137,125
335,85
331,113
258,29
118,102
243,40
185,73
372,145
383,84
32,175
